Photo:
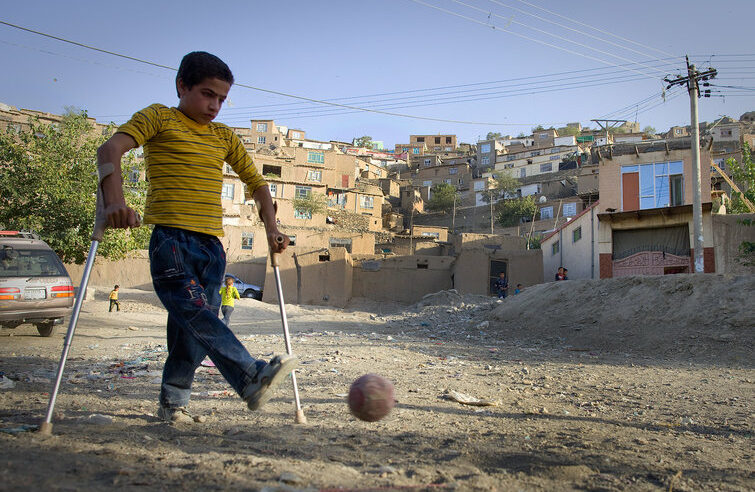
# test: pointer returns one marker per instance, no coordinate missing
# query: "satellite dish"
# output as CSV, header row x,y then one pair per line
x,y
542,199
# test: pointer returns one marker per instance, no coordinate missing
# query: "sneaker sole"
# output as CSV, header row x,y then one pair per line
x,y
266,392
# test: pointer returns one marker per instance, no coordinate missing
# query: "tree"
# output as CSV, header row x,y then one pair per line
x,y
568,131
538,128
511,212
505,187
442,198
365,142
310,204
493,135
744,175
649,130
48,184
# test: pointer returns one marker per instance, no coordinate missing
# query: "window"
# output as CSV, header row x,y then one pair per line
x,y
485,148
437,140
448,140
302,192
485,160
262,127
428,162
555,248
227,169
534,153
479,185
508,166
542,136
314,175
341,242
677,131
427,183
554,157
227,191
570,209
555,150
452,170
546,213
660,184
420,139
447,181
726,133
436,149
291,239
436,235
523,172
273,189
271,170
448,149
247,240
302,214
546,168
295,135
366,201
261,139
415,150
511,157
576,235
133,176
316,157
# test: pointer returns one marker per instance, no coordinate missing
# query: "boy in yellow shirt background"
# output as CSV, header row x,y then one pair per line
x,y
114,300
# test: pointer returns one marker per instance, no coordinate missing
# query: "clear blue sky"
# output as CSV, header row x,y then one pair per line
x,y
344,50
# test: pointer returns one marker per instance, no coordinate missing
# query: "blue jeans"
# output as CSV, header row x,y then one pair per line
x,y
187,270
226,310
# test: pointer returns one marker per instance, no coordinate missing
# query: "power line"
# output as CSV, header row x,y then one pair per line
x,y
269,91
451,12
595,28
549,33
564,26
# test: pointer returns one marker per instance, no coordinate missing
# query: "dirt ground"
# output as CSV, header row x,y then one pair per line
x,y
623,384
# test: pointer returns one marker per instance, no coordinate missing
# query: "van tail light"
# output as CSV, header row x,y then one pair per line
x,y
62,291
10,293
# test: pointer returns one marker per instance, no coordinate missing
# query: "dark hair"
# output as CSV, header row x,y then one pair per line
x,y
199,65
116,286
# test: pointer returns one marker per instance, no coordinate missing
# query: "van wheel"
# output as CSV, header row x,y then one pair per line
x,y
46,329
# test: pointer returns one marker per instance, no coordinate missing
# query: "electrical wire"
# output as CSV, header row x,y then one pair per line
x,y
504,30
512,21
595,28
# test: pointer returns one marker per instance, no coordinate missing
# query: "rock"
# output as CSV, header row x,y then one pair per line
x,y
290,478
99,419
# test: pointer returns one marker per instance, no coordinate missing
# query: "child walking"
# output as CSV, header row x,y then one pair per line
x,y
227,295
114,300
184,152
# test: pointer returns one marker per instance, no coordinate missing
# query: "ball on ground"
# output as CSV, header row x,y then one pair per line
x,y
371,397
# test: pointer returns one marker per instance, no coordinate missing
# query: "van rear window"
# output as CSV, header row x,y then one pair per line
x,y
17,262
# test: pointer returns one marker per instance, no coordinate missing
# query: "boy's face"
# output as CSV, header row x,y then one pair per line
x,y
202,102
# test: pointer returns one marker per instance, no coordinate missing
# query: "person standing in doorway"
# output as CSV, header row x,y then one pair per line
x,y
501,286
228,293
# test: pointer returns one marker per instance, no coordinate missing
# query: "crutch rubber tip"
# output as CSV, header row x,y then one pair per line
x,y
45,428
300,418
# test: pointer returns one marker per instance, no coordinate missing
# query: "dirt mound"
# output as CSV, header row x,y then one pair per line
x,y
688,316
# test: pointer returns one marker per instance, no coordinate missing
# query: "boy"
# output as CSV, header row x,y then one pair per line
x,y
114,300
227,294
184,152
501,285
518,289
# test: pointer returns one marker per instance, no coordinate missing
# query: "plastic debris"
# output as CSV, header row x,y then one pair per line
x,y
6,383
469,400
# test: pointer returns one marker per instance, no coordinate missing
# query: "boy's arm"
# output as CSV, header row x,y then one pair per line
x,y
119,215
267,212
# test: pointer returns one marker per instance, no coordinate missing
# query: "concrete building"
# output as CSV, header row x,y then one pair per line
x,y
573,245
435,143
645,209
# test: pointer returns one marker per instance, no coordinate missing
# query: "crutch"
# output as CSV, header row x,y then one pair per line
x,y
275,261
100,222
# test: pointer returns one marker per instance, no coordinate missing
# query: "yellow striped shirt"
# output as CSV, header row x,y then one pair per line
x,y
185,167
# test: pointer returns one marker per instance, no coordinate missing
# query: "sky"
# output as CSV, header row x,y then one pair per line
x,y
463,67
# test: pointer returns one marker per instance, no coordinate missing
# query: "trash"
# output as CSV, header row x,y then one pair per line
x,y
469,400
99,419
290,478
6,383
133,328
208,363
21,428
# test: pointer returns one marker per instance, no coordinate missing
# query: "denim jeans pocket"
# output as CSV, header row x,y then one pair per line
x,y
165,257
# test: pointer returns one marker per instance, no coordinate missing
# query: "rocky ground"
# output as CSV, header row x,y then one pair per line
x,y
624,384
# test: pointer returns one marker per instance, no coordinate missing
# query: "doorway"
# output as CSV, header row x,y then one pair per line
x,y
496,268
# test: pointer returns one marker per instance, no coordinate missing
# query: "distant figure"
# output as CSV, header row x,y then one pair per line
x,y
566,277
501,286
560,274
114,300
227,294
518,289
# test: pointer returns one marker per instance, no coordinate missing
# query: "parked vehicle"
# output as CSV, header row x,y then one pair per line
x,y
34,285
245,289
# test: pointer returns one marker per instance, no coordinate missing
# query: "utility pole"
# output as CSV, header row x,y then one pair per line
x,y
608,124
692,82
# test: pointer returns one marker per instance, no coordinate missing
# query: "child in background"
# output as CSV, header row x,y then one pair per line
x,y
114,300
227,295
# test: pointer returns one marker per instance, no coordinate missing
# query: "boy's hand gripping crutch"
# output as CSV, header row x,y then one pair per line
x,y
275,261
100,223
